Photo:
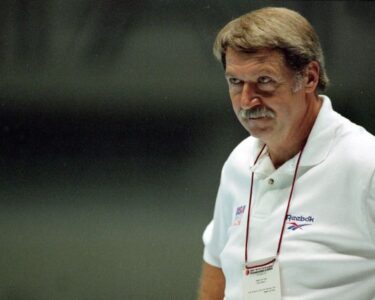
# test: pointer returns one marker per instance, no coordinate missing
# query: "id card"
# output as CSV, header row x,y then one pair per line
x,y
261,280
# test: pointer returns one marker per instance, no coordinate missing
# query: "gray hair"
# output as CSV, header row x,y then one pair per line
x,y
274,28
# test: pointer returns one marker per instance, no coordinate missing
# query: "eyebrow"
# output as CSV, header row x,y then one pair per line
x,y
264,70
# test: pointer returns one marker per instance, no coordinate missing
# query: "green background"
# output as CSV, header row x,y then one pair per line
x,y
114,125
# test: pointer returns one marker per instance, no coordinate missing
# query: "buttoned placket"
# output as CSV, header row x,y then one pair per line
x,y
270,184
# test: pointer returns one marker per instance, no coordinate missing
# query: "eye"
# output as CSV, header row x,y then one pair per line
x,y
266,84
234,81
264,79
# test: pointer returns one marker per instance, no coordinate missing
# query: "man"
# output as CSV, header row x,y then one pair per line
x,y
295,212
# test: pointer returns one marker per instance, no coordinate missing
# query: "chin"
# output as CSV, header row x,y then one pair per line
x,y
259,133
258,127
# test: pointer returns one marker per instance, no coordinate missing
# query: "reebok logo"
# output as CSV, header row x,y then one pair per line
x,y
300,218
298,222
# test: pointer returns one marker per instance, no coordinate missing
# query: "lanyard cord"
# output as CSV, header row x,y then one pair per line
x,y
286,211
248,209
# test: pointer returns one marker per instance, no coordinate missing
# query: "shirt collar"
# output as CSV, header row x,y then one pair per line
x,y
318,145
320,140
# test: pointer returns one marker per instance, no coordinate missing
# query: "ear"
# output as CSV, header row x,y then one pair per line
x,y
312,77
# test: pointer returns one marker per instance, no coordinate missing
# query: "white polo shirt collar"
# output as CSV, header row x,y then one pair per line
x,y
317,148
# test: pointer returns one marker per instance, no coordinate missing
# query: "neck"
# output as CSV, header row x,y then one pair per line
x,y
282,151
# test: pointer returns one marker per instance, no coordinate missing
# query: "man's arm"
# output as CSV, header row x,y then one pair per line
x,y
212,283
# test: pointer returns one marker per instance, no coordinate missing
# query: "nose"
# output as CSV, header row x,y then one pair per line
x,y
249,98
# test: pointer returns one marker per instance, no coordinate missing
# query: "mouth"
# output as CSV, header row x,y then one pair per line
x,y
258,117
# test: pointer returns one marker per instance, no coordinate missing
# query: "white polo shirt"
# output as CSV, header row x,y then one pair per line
x,y
328,248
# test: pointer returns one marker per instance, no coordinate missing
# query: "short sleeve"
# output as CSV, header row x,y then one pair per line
x,y
215,234
370,209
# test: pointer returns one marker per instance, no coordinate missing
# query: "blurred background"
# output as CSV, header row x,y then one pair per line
x,y
114,125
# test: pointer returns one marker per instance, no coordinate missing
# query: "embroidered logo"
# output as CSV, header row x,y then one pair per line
x,y
298,222
239,213
295,226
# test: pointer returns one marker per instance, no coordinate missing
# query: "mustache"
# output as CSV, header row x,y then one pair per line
x,y
257,112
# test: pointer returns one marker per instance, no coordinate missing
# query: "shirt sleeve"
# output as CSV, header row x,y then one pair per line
x,y
215,234
370,209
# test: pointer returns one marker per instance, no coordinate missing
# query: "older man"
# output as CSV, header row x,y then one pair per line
x,y
295,212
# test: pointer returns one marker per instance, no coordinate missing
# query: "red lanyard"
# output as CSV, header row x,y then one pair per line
x,y
286,211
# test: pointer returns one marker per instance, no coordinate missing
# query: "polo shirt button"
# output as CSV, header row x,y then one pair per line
x,y
271,181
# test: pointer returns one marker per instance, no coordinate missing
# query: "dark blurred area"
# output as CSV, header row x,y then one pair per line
x,y
114,125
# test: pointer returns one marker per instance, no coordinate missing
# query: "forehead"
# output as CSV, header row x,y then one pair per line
x,y
262,60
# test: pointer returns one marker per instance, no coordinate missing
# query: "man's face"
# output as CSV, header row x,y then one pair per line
x,y
264,94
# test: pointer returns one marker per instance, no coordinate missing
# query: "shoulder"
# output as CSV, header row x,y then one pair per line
x,y
354,140
354,147
242,154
